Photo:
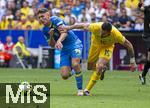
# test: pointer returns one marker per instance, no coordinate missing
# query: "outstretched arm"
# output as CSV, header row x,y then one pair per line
x,y
63,35
129,46
84,26
51,40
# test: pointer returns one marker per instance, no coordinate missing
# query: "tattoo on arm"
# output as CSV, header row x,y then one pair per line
x,y
79,26
129,46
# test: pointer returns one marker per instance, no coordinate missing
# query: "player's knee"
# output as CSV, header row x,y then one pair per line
x,y
64,77
65,74
76,66
99,67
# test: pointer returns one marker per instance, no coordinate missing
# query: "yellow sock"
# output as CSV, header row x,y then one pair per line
x,y
95,76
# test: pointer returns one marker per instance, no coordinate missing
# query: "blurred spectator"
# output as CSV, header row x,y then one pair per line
x,y
2,12
17,15
41,25
133,4
18,12
104,18
49,4
77,9
59,14
89,9
9,15
100,11
2,54
69,16
124,20
72,21
30,2
11,24
139,24
21,50
122,6
4,23
110,6
93,17
32,22
9,45
1,46
22,24
70,2
113,17
25,9
136,14
84,17
11,6
8,50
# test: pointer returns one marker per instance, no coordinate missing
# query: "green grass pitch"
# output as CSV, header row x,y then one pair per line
x,y
118,90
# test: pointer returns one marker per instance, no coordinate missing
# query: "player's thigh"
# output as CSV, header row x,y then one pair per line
x,y
93,56
76,55
106,52
65,58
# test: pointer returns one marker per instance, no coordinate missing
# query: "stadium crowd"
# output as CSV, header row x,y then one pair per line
x,y
21,14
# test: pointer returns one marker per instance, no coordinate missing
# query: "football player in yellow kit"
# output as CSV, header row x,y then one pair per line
x,y
103,39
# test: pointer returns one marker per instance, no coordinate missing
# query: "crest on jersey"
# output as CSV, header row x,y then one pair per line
x,y
78,51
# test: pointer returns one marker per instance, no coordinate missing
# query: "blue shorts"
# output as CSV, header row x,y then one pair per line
x,y
68,54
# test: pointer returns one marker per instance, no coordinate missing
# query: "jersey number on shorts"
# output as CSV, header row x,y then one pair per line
x,y
107,52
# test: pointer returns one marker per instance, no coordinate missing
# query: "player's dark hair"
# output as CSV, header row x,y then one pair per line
x,y
42,10
106,26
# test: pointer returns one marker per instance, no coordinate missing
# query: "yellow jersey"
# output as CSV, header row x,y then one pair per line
x,y
97,39
4,25
129,4
34,24
25,11
25,52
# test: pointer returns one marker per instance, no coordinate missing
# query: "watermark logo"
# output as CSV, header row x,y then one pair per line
x,y
12,95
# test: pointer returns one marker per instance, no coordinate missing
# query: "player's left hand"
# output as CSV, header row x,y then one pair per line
x,y
133,64
133,67
59,45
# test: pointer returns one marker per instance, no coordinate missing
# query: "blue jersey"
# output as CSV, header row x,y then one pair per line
x,y
71,39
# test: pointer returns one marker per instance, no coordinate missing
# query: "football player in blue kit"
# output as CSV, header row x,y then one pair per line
x,y
69,44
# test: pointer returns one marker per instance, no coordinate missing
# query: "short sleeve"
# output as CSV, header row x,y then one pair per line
x,y
119,38
56,21
93,27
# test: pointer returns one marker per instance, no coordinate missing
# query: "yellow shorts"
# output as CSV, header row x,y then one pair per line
x,y
96,52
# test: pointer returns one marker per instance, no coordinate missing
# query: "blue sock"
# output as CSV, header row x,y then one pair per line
x,y
79,80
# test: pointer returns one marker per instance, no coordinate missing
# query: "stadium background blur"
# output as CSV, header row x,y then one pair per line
x,y
124,14
21,14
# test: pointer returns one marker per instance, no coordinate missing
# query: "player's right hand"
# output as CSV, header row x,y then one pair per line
x,y
51,32
58,45
133,64
133,67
